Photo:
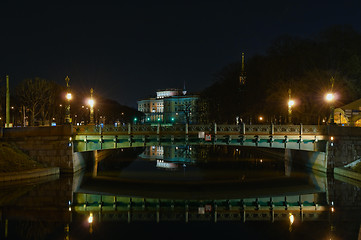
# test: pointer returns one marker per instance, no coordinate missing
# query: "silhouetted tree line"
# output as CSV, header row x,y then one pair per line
x,y
40,102
304,65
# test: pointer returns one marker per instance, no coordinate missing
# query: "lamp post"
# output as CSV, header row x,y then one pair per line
x,y
68,98
290,104
91,104
7,123
330,98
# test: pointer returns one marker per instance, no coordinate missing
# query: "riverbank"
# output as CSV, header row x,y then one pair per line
x,y
345,172
17,165
352,170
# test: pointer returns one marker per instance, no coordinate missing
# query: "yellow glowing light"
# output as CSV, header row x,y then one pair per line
x,y
260,118
90,218
329,97
91,102
292,218
331,138
68,96
332,209
291,103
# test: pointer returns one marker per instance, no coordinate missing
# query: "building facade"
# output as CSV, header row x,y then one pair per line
x,y
170,106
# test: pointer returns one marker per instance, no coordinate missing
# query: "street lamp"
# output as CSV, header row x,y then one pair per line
x,y
290,104
330,97
68,98
91,104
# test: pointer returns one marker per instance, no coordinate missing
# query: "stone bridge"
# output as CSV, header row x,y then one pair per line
x,y
318,147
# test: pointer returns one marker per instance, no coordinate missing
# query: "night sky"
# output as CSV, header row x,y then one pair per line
x,y
129,50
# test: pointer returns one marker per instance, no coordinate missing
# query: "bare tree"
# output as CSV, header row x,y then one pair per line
x,y
39,96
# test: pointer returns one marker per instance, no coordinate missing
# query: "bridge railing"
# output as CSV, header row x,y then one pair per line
x,y
243,129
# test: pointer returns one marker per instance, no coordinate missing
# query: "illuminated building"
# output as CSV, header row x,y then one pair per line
x,y
170,106
349,115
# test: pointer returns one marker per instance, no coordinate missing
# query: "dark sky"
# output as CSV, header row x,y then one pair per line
x,y
129,50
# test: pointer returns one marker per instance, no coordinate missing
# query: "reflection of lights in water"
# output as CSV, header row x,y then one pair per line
x,y
332,209
167,165
90,221
90,218
292,218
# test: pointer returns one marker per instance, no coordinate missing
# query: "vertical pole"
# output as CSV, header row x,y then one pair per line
x,y
289,107
243,128
68,98
91,107
7,124
24,116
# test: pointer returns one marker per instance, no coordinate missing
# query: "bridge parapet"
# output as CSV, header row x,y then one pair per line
x,y
209,128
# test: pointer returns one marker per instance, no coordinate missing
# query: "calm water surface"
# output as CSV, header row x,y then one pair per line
x,y
183,192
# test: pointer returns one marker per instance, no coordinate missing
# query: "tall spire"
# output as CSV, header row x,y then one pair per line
x,y
242,76
184,88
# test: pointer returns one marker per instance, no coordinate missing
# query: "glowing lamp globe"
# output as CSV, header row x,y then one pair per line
x,y
68,96
91,102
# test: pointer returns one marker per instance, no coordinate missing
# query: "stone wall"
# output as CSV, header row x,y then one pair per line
x,y
345,146
51,146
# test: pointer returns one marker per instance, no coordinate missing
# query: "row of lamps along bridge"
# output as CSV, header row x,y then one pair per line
x,y
68,96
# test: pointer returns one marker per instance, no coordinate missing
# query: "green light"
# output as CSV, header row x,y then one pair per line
x,y
148,119
158,119
172,119
135,119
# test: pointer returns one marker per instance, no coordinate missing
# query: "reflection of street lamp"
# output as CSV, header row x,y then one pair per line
x,y
290,104
68,98
291,219
90,221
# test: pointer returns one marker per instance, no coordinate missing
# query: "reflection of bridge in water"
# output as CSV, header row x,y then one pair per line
x,y
115,196
306,207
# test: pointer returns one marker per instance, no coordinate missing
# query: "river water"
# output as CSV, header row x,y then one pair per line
x,y
183,192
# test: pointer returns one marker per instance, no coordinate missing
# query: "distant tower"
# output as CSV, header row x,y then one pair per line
x,y
242,76
184,88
